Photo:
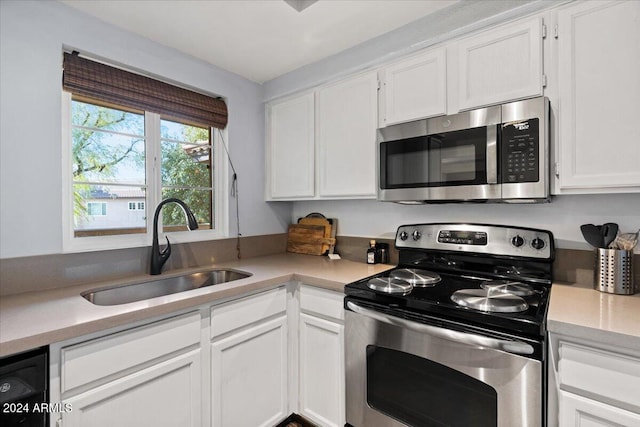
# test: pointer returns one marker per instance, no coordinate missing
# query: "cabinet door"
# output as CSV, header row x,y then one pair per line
x,y
578,411
500,65
414,88
249,376
290,148
322,376
347,122
164,395
599,92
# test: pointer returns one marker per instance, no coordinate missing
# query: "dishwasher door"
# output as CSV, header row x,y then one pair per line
x,y
23,389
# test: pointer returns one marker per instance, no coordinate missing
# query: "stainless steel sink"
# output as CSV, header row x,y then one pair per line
x,y
161,287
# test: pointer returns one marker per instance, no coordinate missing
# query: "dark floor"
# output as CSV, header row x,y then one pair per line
x,y
295,420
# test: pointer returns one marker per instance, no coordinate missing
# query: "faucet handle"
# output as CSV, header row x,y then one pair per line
x,y
163,255
166,252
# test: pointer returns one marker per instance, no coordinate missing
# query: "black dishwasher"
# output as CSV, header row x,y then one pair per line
x,y
23,389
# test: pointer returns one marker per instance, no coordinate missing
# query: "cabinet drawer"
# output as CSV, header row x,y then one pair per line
x,y
99,358
242,312
607,376
322,302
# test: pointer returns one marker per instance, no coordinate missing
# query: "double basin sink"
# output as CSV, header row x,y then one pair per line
x,y
160,287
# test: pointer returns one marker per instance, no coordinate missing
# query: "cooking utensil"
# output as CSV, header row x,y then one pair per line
x,y
592,234
609,233
626,241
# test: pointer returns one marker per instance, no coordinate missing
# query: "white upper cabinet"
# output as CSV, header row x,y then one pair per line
x,y
414,88
346,137
598,59
500,65
321,145
290,148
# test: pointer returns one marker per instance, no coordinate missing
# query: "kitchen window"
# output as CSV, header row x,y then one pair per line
x,y
124,159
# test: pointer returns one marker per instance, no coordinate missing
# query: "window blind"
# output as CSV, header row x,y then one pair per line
x,y
95,80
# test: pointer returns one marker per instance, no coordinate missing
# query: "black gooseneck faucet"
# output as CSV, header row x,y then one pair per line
x,y
159,257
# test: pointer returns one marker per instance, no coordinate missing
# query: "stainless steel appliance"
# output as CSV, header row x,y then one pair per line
x,y
24,389
498,153
455,334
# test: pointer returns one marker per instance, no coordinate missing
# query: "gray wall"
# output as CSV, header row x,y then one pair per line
x,y
33,35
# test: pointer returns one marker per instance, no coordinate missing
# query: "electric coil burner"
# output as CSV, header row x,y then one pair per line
x,y
389,285
489,300
460,323
416,277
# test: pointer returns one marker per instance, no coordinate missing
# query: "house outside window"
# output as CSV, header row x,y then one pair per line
x,y
120,159
97,209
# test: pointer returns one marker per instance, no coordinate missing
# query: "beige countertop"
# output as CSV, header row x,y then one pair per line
x,y
34,319
580,311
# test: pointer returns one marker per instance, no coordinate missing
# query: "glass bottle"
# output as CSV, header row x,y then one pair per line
x,y
371,252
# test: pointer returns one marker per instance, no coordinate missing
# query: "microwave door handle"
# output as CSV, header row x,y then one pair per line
x,y
516,347
492,154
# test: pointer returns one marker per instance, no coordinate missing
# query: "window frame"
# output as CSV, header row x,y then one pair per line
x,y
220,197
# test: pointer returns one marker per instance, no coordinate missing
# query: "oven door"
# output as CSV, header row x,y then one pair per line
x,y
445,158
404,373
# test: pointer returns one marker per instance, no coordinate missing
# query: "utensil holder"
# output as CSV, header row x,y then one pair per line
x,y
614,272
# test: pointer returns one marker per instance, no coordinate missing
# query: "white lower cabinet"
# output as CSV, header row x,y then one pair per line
x,y
166,394
578,411
249,361
249,376
321,352
595,385
149,375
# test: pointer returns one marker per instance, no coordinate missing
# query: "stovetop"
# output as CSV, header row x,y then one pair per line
x,y
466,257
436,302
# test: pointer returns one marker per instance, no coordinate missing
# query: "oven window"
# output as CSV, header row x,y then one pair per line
x,y
419,392
447,159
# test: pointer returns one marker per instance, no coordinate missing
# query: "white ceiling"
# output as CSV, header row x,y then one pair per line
x,y
259,39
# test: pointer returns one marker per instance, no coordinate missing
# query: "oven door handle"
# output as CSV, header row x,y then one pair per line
x,y
479,341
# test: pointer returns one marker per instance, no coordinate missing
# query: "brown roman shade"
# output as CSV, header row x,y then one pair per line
x,y
112,85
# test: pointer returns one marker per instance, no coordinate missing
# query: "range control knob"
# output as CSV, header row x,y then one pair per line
x,y
416,235
537,243
517,241
404,236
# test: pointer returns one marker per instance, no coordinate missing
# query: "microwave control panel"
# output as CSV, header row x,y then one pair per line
x,y
520,151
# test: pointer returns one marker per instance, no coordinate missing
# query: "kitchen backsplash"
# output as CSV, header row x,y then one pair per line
x,y
35,273
571,265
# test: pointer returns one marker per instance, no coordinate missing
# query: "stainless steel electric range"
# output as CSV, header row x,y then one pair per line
x,y
455,334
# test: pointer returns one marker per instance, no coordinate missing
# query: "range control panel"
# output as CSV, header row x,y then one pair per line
x,y
477,238
462,237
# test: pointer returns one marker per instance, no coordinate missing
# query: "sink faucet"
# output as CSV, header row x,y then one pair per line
x,y
159,257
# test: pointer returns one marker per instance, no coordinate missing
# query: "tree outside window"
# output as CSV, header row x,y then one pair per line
x,y
109,168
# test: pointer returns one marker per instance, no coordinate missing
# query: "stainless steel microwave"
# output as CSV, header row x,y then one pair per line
x,y
498,153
